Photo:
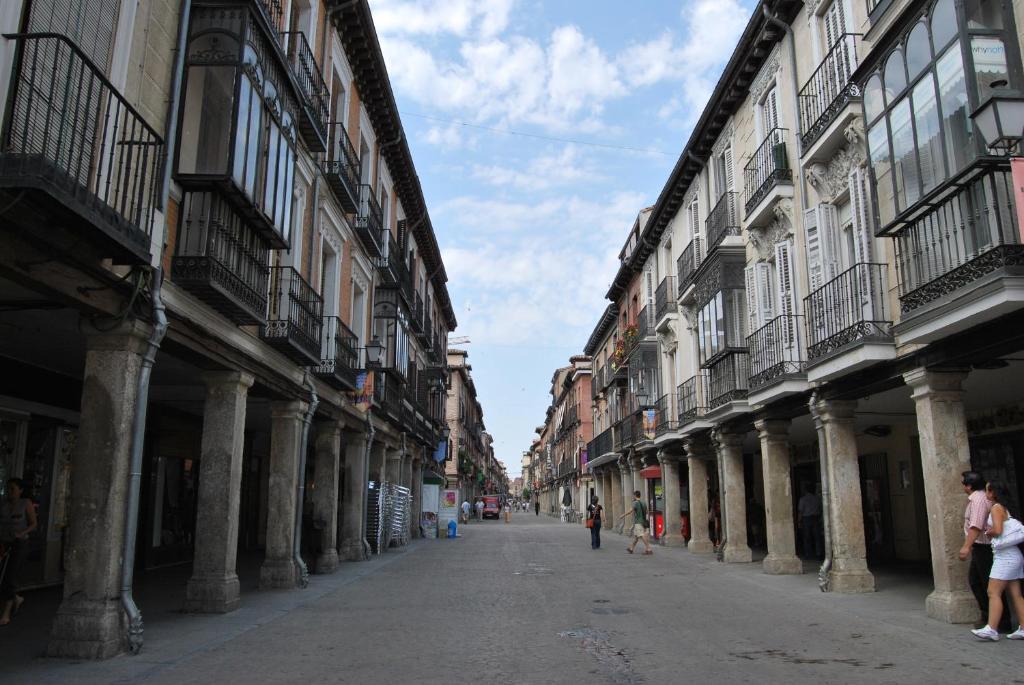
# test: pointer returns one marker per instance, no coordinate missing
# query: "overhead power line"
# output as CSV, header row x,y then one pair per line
x,y
555,139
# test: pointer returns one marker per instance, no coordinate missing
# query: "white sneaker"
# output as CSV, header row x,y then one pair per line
x,y
1017,634
987,633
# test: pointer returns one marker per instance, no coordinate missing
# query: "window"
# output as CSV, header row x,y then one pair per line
x,y
723,172
918,101
769,112
720,324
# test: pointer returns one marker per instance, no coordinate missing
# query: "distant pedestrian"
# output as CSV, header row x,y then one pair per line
x,y
640,524
1007,567
536,507
977,544
479,509
465,511
595,513
17,521
808,517
507,508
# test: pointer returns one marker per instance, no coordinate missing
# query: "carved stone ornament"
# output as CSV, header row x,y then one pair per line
x,y
763,238
668,340
831,180
689,313
766,77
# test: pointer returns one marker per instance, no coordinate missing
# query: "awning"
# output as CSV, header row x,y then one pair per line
x,y
651,472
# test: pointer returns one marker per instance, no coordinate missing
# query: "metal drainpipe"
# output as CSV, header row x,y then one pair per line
x,y
135,470
366,480
796,102
824,578
720,554
172,105
300,486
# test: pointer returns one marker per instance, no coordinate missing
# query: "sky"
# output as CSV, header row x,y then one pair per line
x,y
539,131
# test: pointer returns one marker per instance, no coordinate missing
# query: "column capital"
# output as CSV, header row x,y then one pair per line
x,y
942,383
131,335
623,463
772,429
665,456
697,448
230,378
330,427
834,411
288,409
725,439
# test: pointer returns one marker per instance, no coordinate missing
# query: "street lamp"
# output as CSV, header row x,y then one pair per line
x,y
374,352
1000,119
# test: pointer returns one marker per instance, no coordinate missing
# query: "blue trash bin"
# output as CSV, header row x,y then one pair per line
x,y
452,528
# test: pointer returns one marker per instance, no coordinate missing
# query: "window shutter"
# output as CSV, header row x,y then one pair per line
x,y
812,240
862,241
787,293
771,111
765,313
750,279
727,163
828,235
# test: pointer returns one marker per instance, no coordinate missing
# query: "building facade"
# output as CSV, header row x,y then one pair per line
x,y
473,468
225,310
829,277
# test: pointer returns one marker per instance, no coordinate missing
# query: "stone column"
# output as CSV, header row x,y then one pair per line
x,y
614,491
353,532
393,466
673,536
626,483
850,572
698,454
945,454
598,491
639,483
214,586
278,569
778,497
88,624
734,496
326,471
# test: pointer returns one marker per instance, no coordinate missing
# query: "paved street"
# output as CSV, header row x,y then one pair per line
x,y
530,602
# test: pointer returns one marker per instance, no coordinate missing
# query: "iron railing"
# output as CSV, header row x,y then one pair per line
x,y
273,12
602,444
220,260
664,298
960,239
393,269
341,168
768,167
69,133
691,398
828,90
645,324
723,220
728,379
624,432
686,265
369,223
339,357
595,382
776,351
313,119
849,309
294,317
417,313
666,417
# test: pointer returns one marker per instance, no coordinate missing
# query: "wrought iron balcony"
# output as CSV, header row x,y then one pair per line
x,y
79,155
828,90
722,221
686,265
848,310
566,467
961,239
393,270
665,298
625,432
690,399
666,417
388,391
417,314
768,167
313,113
339,358
220,259
728,380
429,334
602,444
645,323
294,318
341,169
369,223
273,13
776,352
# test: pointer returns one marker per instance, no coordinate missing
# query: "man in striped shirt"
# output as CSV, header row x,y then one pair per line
x,y
977,544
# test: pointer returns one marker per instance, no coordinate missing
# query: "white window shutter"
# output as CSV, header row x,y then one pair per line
x,y
812,240
727,158
828,235
862,237
750,280
787,293
763,271
770,116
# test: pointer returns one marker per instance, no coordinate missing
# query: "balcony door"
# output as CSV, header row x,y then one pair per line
x,y
723,172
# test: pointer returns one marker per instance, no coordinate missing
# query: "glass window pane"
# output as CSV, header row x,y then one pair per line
x,y
929,141
873,103
944,24
956,122
720,320
989,55
255,137
918,51
270,182
904,157
878,147
206,122
984,14
895,76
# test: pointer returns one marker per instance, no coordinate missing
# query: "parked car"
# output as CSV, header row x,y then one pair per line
x,y
492,507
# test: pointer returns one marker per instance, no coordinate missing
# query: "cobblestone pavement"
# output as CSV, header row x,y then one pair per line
x,y
530,602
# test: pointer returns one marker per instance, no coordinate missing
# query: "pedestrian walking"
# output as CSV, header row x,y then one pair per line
x,y
808,512
595,513
640,524
507,509
536,507
479,509
17,521
465,511
1007,565
977,544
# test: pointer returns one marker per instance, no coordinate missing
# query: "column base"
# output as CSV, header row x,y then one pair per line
x,y
735,554
277,574
676,540
700,546
88,629
353,551
854,582
327,562
957,606
214,595
782,565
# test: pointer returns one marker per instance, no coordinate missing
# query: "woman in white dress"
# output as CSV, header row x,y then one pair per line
x,y
1007,568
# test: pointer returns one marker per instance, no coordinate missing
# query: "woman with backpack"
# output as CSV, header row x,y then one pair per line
x,y
1007,563
594,515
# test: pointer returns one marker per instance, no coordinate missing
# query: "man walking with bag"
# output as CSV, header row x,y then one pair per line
x,y
639,512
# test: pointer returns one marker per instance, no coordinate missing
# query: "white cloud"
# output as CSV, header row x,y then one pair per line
x,y
432,17
545,171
